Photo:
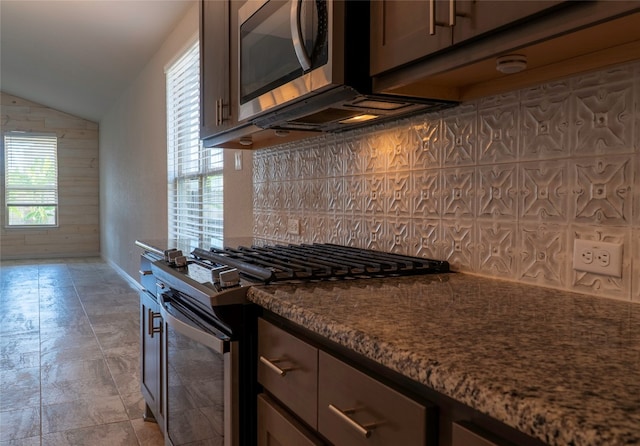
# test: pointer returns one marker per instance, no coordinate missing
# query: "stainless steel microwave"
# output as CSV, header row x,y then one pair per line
x,y
304,64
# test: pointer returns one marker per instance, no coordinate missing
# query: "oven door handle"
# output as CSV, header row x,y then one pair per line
x,y
216,344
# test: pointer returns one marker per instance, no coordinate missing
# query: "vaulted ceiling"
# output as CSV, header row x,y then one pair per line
x,y
78,56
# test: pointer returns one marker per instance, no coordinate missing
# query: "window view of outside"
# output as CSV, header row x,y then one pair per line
x,y
31,179
194,172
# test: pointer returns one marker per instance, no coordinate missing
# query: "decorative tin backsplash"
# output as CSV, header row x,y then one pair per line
x,y
499,187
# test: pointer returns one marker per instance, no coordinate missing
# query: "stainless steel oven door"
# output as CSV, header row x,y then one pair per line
x,y
200,380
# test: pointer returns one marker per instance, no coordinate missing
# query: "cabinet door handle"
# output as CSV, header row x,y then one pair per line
x,y
219,111
145,272
452,16
151,318
272,364
453,13
364,429
432,17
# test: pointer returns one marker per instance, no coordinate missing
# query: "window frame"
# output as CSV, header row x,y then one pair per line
x,y
50,147
195,213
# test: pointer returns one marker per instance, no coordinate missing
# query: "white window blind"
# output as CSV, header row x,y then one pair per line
x,y
31,179
195,173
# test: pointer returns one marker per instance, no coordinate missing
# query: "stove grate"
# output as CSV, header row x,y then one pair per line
x,y
318,262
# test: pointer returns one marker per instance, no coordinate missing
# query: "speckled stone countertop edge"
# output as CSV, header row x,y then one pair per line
x,y
455,385
531,416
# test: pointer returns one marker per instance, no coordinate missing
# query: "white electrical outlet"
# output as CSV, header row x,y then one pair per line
x,y
598,257
293,226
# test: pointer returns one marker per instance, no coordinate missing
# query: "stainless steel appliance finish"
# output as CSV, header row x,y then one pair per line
x,y
209,328
201,385
304,65
206,353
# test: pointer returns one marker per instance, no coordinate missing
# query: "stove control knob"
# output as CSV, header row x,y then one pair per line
x,y
229,278
215,273
172,255
166,253
180,260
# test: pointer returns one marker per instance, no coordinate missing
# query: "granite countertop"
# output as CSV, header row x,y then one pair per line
x,y
561,367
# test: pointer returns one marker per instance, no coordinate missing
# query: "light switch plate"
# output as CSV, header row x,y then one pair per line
x,y
598,257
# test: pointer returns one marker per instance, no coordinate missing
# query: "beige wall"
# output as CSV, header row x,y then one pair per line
x,y
78,231
133,167
499,187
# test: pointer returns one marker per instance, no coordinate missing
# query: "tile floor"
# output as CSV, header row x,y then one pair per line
x,y
69,356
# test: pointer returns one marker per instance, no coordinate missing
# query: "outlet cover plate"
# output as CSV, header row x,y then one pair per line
x,y
598,257
293,226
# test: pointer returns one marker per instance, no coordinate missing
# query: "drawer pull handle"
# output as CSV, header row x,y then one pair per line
x,y
272,364
145,272
364,429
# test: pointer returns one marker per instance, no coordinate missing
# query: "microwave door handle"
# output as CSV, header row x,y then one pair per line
x,y
296,36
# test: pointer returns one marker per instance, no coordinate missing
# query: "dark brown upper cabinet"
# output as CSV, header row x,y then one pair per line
x,y
215,62
448,49
408,30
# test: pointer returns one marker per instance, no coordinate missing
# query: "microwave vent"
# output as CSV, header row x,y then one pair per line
x,y
292,125
374,104
327,115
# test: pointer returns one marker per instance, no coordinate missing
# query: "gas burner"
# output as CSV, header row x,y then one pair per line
x,y
313,262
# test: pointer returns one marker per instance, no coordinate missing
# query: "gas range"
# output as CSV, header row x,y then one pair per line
x,y
313,262
216,277
226,267
209,328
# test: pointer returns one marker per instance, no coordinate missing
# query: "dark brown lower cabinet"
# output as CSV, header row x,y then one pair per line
x,y
467,434
151,347
357,410
277,428
318,394
288,369
318,399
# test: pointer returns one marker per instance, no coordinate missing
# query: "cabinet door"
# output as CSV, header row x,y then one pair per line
x,y
151,356
405,31
214,67
476,17
356,410
278,428
400,31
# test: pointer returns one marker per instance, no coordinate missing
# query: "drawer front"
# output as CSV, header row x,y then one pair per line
x,y
466,434
147,280
276,427
288,369
354,409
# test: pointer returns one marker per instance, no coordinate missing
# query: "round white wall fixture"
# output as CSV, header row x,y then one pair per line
x,y
246,141
511,63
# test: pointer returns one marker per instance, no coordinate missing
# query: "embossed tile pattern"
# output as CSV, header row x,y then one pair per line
x,y
496,186
69,356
